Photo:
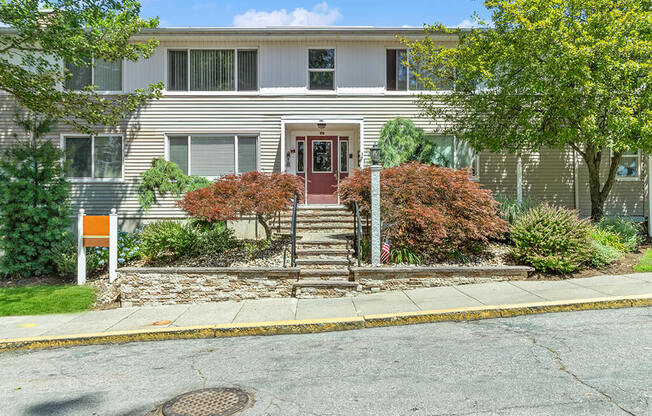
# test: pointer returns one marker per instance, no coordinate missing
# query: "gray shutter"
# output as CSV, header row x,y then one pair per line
x,y
212,156
247,154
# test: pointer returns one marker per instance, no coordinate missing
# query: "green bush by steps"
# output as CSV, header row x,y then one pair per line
x,y
552,239
629,231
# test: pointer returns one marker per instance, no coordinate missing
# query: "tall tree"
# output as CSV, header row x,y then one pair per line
x,y
43,36
548,73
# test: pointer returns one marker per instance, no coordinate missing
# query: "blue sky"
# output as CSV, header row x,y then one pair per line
x,y
223,13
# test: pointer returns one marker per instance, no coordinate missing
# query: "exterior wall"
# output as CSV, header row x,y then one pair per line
x,y
548,176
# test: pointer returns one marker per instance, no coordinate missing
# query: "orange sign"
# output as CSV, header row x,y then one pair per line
x,y
96,231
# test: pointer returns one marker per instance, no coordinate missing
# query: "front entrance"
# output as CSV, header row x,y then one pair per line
x,y
322,169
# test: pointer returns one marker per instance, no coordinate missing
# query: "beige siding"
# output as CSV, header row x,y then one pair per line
x,y
548,176
497,172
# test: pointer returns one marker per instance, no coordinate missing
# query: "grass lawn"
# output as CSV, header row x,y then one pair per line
x,y
645,264
37,300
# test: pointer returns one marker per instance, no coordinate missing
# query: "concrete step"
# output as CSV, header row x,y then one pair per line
x,y
324,274
305,289
321,245
317,252
314,262
318,220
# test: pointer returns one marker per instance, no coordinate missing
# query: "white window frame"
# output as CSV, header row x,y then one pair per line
x,y
107,92
92,179
333,70
312,156
187,91
409,76
638,168
341,140
235,148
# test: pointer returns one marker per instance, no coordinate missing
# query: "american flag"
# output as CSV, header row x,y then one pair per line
x,y
384,252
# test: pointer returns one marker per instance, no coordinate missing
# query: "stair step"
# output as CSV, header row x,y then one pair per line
x,y
318,220
316,261
325,274
325,283
322,252
321,245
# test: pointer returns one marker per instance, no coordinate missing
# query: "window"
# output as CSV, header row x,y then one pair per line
x,y
213,155
448,151
105,75
95,157
212,70
401,78
322,156
321,69
628,168
344,155
300,155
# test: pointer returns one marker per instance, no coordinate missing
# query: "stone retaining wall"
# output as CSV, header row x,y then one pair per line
x,y
166,286
376,279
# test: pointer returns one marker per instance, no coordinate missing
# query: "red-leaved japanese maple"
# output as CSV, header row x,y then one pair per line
x,y
260,194
432,209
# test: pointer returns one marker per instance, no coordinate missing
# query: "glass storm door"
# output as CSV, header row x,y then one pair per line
x,y
322,170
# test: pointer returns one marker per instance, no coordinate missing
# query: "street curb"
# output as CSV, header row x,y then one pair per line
x,y
324,325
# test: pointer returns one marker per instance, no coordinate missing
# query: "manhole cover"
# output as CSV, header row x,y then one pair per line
x,y
208,402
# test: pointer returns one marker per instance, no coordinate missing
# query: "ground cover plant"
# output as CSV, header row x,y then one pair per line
x,y
645,263
429,210
262,195
36,300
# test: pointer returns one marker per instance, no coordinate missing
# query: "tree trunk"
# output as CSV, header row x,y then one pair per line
x,y
268,229
599,193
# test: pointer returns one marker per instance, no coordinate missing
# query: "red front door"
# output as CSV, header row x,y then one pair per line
x,y
322,170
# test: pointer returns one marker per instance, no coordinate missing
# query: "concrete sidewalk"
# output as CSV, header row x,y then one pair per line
x,y
477,297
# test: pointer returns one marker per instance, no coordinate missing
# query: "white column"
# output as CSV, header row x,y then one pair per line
x,y
113,245
576,179
375,215
81,250
649,195
283,150
519,179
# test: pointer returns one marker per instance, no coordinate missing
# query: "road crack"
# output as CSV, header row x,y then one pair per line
x,y
196,368
560,363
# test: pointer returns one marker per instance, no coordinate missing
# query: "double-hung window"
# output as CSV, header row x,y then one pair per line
x,y
321,69
213,156
212,70
449,152
104,75
629,166
401,77
94,157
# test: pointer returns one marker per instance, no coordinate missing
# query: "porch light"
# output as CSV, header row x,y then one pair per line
x,y
374,153
321,126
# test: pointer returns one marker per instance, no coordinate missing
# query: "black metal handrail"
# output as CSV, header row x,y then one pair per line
x,y
293,233
357,231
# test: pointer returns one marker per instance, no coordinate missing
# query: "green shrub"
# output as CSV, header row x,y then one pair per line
x,y
512,208
213,237
165,178
34,206
168,239
645,263
404,255
629,231
254,247
551,239
603,255
607,238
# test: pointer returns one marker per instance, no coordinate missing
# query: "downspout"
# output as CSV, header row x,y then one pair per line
x,y
519,178
576,180
649,197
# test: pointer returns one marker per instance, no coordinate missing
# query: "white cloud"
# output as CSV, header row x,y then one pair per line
x,y
320,15
466,23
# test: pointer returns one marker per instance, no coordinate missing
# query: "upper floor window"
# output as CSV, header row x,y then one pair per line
x,y
321,69
213,155
449,152
212,70
94,157
105,75
629,166
400,77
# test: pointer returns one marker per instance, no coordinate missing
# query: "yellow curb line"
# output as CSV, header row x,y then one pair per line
x,y
323,325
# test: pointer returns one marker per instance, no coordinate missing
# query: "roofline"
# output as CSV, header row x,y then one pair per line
x,y
286,30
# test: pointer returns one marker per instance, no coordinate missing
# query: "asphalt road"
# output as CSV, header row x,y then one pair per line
x,y
581,363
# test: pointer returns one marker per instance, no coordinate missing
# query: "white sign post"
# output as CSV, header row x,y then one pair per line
x,y
81,250
113,245
97,231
